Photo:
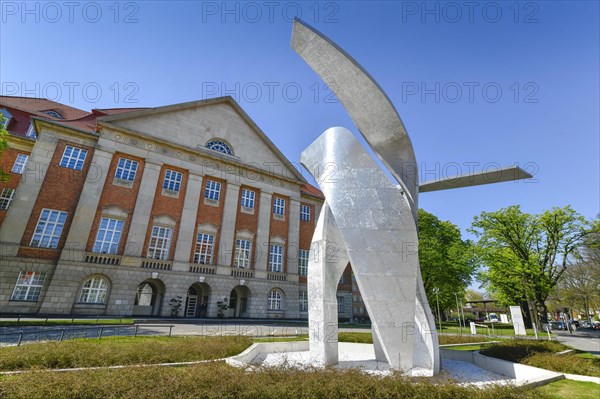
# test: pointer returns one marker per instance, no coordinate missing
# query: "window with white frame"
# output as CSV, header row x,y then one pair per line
x,y
49,228
303,262
276,258
172,180
340,301
305,213
203,252
212,190
109,234
219,146
243,249
5,117
53,114
247,198
274,302
6,198
31,132
303,301
19,165
279,206
28,286
160,242
73,158
126,169
94,291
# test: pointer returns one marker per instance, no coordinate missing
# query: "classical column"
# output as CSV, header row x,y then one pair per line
x,y
230,208
27,192
185,238
293,237
261,257
86,207
142,210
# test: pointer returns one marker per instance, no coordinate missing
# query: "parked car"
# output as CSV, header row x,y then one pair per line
x,y
558,325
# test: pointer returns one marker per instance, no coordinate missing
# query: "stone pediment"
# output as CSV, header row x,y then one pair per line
x,y
195,124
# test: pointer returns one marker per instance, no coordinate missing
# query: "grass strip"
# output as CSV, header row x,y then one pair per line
x,y
119,351
217,380
543,354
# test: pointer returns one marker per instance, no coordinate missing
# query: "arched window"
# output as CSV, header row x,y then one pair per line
x,y
275,300
146,295
94,291
220,146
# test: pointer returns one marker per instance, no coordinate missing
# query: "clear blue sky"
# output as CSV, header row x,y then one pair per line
x,y
442,64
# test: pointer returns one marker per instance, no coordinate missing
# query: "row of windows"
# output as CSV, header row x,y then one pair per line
x,y
51,223
74,158
95,289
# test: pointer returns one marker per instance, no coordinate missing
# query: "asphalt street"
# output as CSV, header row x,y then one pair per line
x,y
586,340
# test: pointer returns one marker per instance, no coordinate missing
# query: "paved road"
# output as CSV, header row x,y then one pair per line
x,y
582,339
251,328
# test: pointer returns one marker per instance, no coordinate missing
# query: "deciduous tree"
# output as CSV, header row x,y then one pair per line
x,y
524,256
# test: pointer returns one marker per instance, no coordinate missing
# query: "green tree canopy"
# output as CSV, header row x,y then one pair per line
x,y
446,260
524,255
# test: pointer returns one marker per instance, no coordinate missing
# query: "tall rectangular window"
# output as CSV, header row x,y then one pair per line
x,y
109,234
160,242
203,252
279,206
303,301
172,180
303,262
73,158
212,190
341,307
49,228
247,198
19,165
305,213
28,286
243,250
126,169
276,258
6,197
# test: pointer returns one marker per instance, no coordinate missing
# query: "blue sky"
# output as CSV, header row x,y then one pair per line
x,y
494,83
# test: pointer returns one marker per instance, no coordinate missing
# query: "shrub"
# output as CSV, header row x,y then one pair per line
x,y
119,351
217,380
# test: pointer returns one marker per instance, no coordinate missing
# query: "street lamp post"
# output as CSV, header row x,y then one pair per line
x,y
437,299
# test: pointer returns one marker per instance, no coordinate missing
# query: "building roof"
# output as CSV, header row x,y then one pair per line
x,y
309,189
23,108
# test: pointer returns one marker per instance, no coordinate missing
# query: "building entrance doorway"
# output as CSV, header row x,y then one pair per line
x,y
238,301
196,301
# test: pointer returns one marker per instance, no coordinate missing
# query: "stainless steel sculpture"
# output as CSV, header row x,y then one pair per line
x,y
367,219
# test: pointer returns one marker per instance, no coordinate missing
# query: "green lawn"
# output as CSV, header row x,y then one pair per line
x,y
499,329
544,354
118,351
568,389
219,381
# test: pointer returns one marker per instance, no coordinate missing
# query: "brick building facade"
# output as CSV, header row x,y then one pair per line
x,y
123,211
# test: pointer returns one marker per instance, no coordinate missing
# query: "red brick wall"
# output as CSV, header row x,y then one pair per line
x,y
280,228
122,197
306,233
60,191
169,206
246,221
9,156
209,214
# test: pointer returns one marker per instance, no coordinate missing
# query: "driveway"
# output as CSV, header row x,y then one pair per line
x,y
582,339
